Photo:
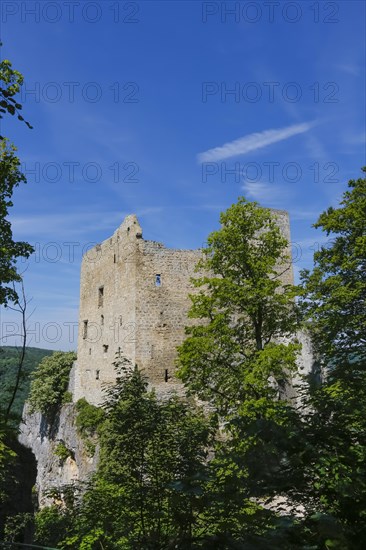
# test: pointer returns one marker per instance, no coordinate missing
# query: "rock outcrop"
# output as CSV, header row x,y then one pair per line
x,y
44,440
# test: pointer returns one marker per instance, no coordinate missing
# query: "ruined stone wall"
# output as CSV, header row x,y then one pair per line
x,y
162,304
134,301
140,313
107,317
282,218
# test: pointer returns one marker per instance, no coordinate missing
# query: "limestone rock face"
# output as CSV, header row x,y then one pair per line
x,y
43,439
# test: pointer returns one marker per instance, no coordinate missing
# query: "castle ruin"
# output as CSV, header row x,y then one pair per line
x,y
134,300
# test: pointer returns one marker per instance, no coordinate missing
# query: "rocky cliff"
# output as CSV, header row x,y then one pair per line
x,y
46,441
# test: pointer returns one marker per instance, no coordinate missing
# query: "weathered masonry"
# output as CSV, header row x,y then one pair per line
x,y
134,301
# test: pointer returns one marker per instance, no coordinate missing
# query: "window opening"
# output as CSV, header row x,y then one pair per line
x,y
100,296
85,329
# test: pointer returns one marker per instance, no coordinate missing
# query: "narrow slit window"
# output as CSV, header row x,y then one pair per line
x,y
166,375
100,296
102,320
158,279
89,351
97,374
114,258
85,329
105,348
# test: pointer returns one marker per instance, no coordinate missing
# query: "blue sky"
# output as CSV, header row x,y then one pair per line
x,y
172,110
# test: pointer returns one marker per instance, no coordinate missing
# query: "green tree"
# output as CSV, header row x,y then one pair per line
x,y
6,457
147,491
10,178
51,524
335,412
238,360
10,251
49,383
10,357
10,83
336,288
234,354
89,418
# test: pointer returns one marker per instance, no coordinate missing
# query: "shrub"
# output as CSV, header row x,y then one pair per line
x,y
62,452
50,525
67,397
49,383
89,418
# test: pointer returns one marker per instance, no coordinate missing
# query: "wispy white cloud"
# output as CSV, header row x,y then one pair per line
x,y
358,138
72,224
316,148
252,142
261,191
311,215
349,68
66,223
270,194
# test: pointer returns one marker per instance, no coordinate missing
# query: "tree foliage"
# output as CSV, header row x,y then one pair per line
x,y
9,360
6,457
49,383
88,420
10,84
336,288
335,413
234,354
147,492
240,358
11,251
11,176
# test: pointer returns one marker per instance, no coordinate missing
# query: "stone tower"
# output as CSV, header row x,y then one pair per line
x,y
134,301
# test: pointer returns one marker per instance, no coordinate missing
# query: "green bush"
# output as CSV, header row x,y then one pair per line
x,y
62,451
49,383
50,525
67,397
90,447
89,418
16,525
